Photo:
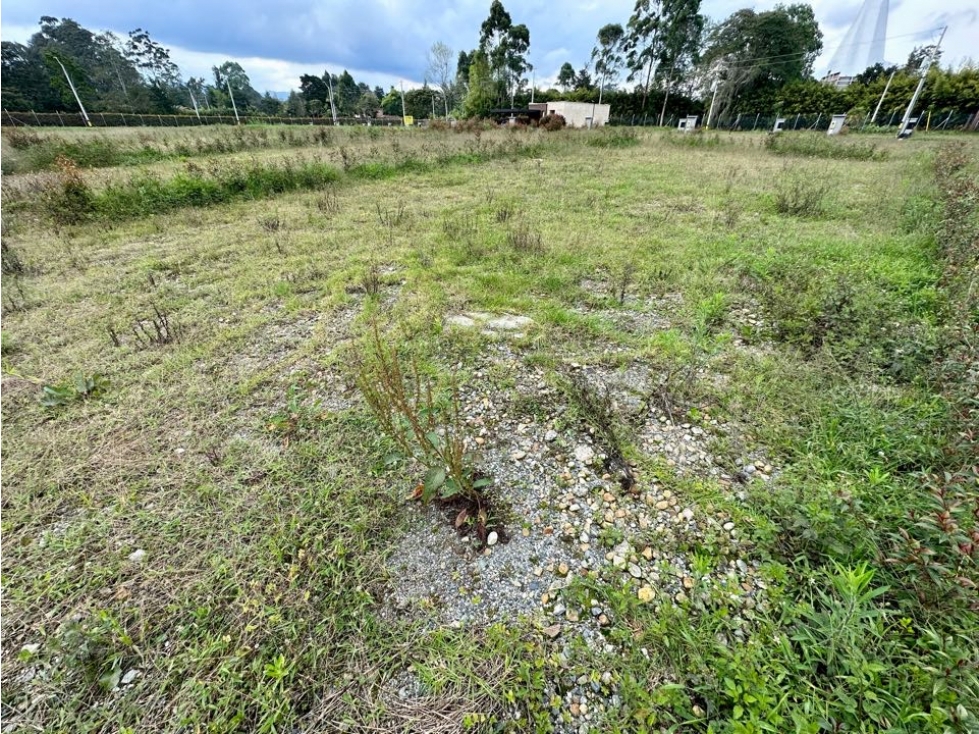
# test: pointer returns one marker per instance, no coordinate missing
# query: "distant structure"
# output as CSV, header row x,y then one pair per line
x,y
863,44
576,114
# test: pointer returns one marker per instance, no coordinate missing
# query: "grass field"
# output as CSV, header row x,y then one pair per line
x,y
730,444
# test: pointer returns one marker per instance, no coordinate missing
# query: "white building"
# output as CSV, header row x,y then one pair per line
x,y
576,114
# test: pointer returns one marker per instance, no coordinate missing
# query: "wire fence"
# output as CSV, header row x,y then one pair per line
x,y
748,121
927,120
124,119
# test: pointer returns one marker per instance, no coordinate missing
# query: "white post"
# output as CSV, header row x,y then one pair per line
x,y
194,102
710,112
404,111
921,84
333,107
233,105
887,86
75,92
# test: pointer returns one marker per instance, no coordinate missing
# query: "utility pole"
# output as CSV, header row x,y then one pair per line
x,y
75,92
404,111
887,86
194,102
233,105
921,84
713,99
333,107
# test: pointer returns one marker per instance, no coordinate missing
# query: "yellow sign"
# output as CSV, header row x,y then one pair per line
x,y
409,120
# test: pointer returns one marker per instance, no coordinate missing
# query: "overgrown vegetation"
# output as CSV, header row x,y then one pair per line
x,y
820,145
236,494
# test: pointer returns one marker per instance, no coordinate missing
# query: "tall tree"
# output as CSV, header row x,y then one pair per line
x,y
754,54
505,46
231,73
680,33
566,76
440,72
641,43
482,93
607,55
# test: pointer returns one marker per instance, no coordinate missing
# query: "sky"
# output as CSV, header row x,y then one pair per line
x,y
384,42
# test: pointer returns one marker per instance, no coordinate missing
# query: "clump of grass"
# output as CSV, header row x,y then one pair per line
x,y
613,137
800,194
811,145
329,202
526,240
695,139
12,265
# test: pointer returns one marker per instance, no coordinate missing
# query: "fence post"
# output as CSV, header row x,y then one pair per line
x,y
60,121
12,121
36,121
891,120
103,119
796,123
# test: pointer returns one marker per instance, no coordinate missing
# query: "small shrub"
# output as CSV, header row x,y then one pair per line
x,y
157,330
801,195
69,200
504,212
329,202
11,262
553,121
424,427
524,239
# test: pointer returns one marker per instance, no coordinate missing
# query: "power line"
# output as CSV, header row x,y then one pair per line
x,y
800,54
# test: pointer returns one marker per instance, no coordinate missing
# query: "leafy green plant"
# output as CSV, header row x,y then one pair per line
x,y
427,428
83,387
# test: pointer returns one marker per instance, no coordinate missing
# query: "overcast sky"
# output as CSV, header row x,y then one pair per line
x,y
384,41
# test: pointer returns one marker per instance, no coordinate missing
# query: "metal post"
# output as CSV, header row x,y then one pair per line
x,y
756,122
74,91
12,121
710,112
796,123
60,121
333,107
887,86
404,111
921,84
36,121
103,120
233,105
194,101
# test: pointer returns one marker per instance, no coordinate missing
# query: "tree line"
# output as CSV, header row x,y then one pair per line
x,y
665,58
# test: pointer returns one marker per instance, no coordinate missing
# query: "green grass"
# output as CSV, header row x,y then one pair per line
x,y
269,517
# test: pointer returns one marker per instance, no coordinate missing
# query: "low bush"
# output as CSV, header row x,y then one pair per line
x,y
552,122
800,194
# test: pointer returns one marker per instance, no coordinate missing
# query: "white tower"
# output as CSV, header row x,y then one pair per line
x,y
863,44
